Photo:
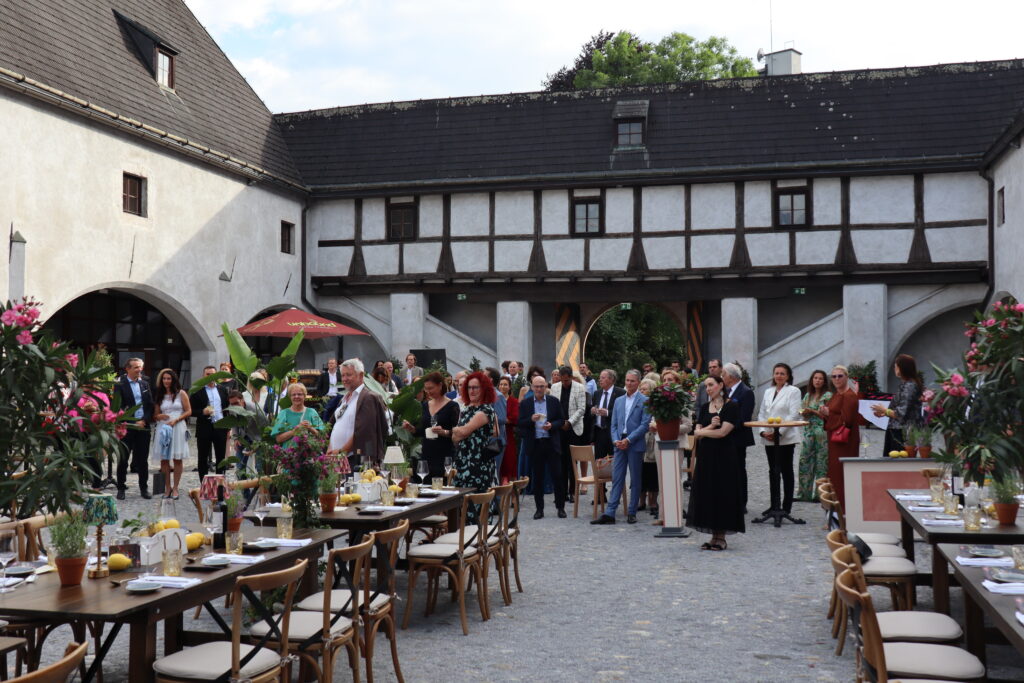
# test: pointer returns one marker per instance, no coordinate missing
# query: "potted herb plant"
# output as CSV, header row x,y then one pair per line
x,y
67,534
668,403
922,437
1004,497
236,507
328,491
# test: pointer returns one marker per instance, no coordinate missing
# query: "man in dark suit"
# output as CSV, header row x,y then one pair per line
x,y
136,400
604,401
540,419
329,381
208,406
740,393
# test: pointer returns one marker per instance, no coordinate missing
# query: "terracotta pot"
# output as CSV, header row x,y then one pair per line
x,y
668,431
71,570
234,524
924,451
328,501
1006,513
911,451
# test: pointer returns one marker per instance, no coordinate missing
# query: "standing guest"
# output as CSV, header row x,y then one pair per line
x,y
677,367
261,396
647,368
360,422
504,367
525,462
604,403
380,375
208,404
501,413
572,399
841,411
171,412
393,379
509,466
296,417
589,383
474,465
135,393
715,370
456,390
527,387
556,377
229,383
813,447
246,436
438,419
630,423
329,382
540,418
649,485
739,392
904,411
782,399
717,498
669,376
411,372
587,437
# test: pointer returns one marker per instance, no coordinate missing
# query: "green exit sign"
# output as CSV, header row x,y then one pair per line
x,y
799,290
625,307
460,297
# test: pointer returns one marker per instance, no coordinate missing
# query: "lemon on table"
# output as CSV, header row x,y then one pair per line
x,y
172,524
195,540
355,497
156,527
395,487
118,562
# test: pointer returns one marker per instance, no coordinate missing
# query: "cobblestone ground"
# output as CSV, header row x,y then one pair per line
x,y
607,603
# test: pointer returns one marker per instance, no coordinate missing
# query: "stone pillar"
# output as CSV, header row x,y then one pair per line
x,y
515,331
865,326
16,268
408,313
739,334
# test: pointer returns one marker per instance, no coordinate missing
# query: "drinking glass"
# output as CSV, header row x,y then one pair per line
x,y
210,521
1018,556
285,526
449,468
423,470
234,542
972,518
437,483
387,497
950,503
412,490
429,432
8,552
937,489
172,561
261,506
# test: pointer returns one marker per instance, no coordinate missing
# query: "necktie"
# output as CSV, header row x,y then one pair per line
x,y
604,405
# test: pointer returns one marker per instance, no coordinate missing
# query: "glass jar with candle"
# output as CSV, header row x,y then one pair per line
x,y
972,518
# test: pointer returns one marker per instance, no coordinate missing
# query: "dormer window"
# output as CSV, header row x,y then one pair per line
x,y
155,53
165,68
630,133
630,119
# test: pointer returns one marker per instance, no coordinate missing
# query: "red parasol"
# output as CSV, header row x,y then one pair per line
x,y
287,323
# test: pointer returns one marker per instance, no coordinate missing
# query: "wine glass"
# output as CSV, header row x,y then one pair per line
x,y
8,552
261,506
423,470
210,522
449,469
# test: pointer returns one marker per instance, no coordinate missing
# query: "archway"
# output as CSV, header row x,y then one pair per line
x,y
628,335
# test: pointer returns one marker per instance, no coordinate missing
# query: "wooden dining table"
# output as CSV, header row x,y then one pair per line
x,y
912,521
107,602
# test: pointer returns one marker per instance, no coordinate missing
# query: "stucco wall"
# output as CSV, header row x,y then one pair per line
x,y
1009,237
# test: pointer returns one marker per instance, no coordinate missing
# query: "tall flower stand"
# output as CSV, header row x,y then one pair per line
x,y
670,455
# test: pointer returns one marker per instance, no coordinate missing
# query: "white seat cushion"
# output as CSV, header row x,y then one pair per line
x,y
452,537
339,600
932,661
889,566
431,520
881,550
872,538
438,551
207,661
302,625
919,627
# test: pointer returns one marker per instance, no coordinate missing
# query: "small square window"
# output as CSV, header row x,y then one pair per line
x,y
629,133
792,207
586,217
164,68
133,195
1000,206
401,222
287,237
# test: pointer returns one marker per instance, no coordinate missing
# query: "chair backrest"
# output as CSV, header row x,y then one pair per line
x,y
32,535
831,503
59,671
338,561
579,455
251,483
246,589
387,543
517,494
859,602
836,539
503,494
481,499
845,558
19,536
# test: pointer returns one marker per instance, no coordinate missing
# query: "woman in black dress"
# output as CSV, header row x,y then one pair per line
x,y
440,415
716,495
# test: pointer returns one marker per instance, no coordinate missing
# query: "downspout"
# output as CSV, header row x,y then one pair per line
x,y
304,269
986,173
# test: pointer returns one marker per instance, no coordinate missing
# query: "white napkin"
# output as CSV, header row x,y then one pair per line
x,y
273,505
168,581
924,508
1004,588
985,561
12,581
239,559
384,508
444,493
1020,617
295,542
408,500
913,496
942,522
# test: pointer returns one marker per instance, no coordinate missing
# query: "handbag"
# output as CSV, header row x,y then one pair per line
x,y
603,467
840,435
493,445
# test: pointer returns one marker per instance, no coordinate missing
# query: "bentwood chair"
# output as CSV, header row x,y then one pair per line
x,y
895,573
59,671
830,502
490,539
582,461
883,661
459,561
513,532
231,659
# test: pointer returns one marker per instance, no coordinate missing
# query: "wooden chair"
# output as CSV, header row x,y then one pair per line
x,y
581,464
256,663
459,561
490,539
316,635
59,671
513,531
895,573
830,502
881,660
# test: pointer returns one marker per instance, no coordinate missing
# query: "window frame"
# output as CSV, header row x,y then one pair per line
x,y
140,197
628,122
160,52
597,200
410,206
288,238
791,191
1001,206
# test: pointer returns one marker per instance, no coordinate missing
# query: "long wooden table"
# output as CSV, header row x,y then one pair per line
x,y
911,522
99,600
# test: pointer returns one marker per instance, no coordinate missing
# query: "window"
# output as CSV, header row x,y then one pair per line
x,y
402,222
1000,207
287,237
586,217
792,207
629,133
164,68
133,195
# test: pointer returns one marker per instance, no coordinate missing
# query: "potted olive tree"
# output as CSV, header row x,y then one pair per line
x,y
67,534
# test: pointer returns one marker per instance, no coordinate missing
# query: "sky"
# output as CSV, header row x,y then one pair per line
x,y
311,54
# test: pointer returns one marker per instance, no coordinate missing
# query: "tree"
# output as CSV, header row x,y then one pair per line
x,y
624,339
624,59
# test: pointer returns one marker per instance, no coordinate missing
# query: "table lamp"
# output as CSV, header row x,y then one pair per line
x,y
99,509
392,459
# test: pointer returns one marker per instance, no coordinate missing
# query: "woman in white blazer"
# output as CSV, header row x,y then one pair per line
x,y
782,399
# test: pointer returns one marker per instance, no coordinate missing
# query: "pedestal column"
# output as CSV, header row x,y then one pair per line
x,y
669,455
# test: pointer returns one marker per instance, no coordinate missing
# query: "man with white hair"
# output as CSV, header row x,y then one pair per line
x,y
741,394
361,422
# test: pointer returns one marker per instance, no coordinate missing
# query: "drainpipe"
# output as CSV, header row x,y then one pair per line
x,y
986,173
302,291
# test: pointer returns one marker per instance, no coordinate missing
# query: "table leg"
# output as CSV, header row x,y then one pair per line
x,y
974,627
940,581
907,536
173,626
141,648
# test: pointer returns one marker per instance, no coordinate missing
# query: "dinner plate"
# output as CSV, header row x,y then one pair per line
x,y
141,586
985,551
19,571
215,561
263,545
946,516
1008,575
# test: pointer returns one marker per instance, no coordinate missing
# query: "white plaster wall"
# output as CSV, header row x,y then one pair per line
x,y
554,212
618,206
514,255
610,254
771,249
828,201
882,199
513,213
711,251
431,215
757,204
968,243
665,252
713,206
332,260
331,220
381,259
1009,237
470,214
664,208
882,246
561,255
955,196
421,257
374,219
470,257
817,247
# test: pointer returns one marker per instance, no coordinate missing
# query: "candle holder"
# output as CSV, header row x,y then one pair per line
x,y
99,509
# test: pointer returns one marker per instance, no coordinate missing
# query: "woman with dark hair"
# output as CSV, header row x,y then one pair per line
x,y
842,420
904,411
814,446
171,412
509,464
474,465
781,400
439,417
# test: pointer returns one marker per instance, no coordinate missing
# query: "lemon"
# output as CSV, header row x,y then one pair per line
x,y
355,497
194,541
904,454
118,562
370,473
172,524
157,527
395,487
894,454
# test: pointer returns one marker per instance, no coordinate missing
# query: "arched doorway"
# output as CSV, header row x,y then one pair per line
x,y
628,335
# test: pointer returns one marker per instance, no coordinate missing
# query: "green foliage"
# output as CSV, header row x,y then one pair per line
x,y
67,533
622,340
564,78
866,376
669,402
1005,490
475,364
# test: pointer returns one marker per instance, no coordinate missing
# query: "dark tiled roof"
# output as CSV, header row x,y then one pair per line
x,y
950,112
79,47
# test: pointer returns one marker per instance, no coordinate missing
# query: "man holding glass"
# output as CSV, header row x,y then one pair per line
x,y
540,419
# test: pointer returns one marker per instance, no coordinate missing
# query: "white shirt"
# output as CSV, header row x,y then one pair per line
x,y
345,419
408,376
630,400
332,383
214,398
604,402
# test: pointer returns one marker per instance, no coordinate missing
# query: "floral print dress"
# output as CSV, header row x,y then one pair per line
x,y
475,467
813,449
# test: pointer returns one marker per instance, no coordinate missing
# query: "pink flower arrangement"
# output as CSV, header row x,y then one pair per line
x,y
24,337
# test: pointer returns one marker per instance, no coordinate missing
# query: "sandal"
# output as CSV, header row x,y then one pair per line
x,y
706,546
719,545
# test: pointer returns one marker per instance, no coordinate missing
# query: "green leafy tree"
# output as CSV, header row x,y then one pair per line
x,y
624,339
564,78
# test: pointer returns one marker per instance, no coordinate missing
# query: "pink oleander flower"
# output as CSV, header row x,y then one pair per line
x,y
956,378
990,322
24,337
72,359
969,332
1019,308
9,317
997,305
927,395
33,314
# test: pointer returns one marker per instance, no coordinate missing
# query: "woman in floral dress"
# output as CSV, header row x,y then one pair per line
x,y
474,465
814,447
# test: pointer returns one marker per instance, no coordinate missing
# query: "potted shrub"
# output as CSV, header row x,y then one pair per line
x,y
923,440
329,492
1004,496
236,507
67,534
667,404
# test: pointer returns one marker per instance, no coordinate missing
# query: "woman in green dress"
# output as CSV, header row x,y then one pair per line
x,y
295,417
814,447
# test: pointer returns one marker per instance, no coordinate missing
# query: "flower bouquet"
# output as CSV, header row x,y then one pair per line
x,y
668,403
301,464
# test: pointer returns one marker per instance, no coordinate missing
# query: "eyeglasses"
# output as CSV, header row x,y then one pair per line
x,y
838,376
474,387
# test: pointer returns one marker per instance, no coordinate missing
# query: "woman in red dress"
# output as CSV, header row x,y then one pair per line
x,y
508,463
841,411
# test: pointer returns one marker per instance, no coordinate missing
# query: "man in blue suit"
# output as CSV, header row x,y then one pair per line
x,y
630,422
540,419
741,394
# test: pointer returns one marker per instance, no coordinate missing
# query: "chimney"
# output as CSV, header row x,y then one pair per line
x,y
782,62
